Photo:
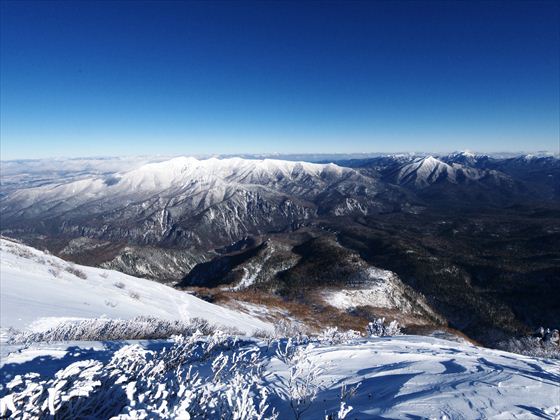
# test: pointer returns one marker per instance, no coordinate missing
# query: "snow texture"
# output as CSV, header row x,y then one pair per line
x,y
219,376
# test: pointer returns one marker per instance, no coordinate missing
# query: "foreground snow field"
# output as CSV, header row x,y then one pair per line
x,y
399,377
39,291
215,374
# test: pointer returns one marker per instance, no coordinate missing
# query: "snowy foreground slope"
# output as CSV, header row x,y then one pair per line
x,y
39,291
220,377
214,374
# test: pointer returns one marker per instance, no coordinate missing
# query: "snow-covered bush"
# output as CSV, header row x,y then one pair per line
x,y
138,328
548,335
531,346
393,328
14,247
290,329
54,271
544,342
138,383
134,295
303,384
346,393
333,336
341,413
72,269
377,328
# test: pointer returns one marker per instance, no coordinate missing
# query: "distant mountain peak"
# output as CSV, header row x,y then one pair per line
x,y
424,171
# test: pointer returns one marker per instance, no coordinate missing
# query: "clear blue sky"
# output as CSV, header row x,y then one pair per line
x,y
120,78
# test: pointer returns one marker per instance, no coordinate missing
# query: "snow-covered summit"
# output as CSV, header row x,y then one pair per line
x,y
423,172
464,157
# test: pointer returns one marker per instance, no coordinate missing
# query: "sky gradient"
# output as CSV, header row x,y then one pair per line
x,y
120,78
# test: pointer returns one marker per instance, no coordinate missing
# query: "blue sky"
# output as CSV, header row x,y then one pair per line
x,y
120,78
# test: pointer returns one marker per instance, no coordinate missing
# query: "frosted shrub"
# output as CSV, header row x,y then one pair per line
x,y
544,342
378,328
332,336
241,403
531,346
138,383
342,412
346,393
20,251
238,375
393,329
72,269
64,395
55,272
284,329
138,328
303,383
286,354
134,295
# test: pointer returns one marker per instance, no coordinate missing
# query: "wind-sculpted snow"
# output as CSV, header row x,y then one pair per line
x,y
221,376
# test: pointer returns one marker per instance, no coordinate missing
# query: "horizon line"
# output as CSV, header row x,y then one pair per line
x,y
203,156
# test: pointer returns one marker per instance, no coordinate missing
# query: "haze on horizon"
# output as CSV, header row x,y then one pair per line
x,y
130,78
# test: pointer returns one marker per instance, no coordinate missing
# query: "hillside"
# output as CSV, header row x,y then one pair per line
x,y
39,291
65,362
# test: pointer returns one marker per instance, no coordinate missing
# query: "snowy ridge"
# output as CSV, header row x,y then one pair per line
x,y
183,171
191,201
52,291
204,182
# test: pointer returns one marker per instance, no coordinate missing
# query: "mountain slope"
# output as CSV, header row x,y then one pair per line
x,y
313,268
40,290
423,172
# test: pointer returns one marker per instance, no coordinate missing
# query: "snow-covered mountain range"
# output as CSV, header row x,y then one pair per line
x,y
185,201
422,217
